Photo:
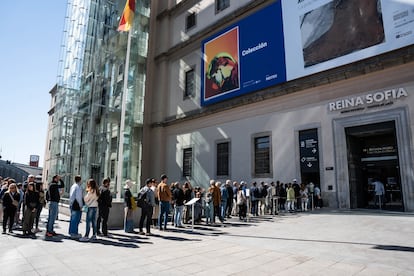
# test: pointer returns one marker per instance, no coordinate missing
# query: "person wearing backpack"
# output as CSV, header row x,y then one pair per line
x,y
146,194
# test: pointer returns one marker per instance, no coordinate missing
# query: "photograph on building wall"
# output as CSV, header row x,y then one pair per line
x,y
324,34
221,64
340,27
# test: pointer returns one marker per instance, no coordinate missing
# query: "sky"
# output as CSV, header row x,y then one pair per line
x,y
30,39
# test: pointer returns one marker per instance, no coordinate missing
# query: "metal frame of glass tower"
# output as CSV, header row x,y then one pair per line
x,y
86,116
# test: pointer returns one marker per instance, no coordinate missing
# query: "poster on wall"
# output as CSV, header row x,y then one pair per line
x,y
244,57
325,34
292,39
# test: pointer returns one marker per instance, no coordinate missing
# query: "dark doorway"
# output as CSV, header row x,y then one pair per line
x,y
373,154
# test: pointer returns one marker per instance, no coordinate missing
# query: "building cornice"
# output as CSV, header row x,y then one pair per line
x,y
374,64
195,40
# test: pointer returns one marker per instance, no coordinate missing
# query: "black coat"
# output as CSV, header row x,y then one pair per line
x,y
8,200
105,198
178,196
31,199
127,198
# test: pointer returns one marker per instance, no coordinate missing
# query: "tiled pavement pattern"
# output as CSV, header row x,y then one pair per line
x,y
323,242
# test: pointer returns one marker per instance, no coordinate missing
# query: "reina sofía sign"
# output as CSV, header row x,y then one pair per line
x,y
369,100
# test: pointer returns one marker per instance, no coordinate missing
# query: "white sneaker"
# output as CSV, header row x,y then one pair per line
x,y
84,239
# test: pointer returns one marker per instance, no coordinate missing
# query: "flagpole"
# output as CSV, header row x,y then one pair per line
x,y
122,125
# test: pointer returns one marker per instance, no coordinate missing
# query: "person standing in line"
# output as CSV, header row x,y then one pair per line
x,y
18,220
128,208
146,210
217,202
164,196
156,209
75,204
282,196
172,204
296,188
22,190
10,202
178,197
255,197
304,197
104,205
42,201
242,203
209,207
91,200
262,197
53,196
235,207
318,199
230,196
3,189
188,195
224,199
31,200
290,198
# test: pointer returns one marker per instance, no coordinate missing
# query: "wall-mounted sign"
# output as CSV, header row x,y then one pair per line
x,y
34,161
377,98
309,151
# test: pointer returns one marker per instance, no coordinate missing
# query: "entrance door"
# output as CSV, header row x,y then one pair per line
x,y
373,154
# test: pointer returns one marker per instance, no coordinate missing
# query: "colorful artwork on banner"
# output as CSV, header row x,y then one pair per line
x,y
292,39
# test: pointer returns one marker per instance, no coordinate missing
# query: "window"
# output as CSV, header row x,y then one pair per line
x,y
222,4
223,154
189,84
190,21
114,144
187,162
262,154
112,170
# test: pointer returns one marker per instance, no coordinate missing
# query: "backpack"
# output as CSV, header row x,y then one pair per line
x,y
142,199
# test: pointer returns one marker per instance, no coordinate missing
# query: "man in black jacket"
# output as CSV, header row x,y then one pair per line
x,y
104,204
53,196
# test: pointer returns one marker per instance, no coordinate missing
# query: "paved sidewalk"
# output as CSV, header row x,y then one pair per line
x,y
325,242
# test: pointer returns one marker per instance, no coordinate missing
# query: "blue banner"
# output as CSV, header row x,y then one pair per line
x,y
245,57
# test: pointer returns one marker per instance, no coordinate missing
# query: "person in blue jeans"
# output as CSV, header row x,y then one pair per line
x,y
53,196
91,200
164,196
178,196
76,204
224,198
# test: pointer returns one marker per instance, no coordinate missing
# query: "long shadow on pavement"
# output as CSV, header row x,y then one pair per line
x,y
374,246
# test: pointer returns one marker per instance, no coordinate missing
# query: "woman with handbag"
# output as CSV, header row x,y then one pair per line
x,y
91,200
10,202
31,201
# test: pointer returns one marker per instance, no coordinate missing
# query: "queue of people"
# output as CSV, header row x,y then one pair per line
x,y
160,202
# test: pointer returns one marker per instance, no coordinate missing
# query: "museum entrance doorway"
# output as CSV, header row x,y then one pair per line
x,y
372,153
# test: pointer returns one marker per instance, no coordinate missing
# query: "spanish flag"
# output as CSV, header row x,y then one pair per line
x,y
127,16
